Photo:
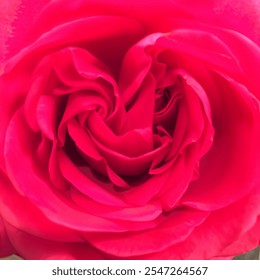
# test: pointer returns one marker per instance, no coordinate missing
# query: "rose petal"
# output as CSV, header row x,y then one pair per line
x,y
8,11
125,164
34,248
198,44
55,174
233,160
219,233
87,184
12,202
157,15
5,245
19,11
245,52
173,230
50,202
148,212
68,33
245,243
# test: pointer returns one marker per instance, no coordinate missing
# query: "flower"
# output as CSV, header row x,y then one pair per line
x,y
129,130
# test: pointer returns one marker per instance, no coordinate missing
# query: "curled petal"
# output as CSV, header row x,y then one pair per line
x,y
228,165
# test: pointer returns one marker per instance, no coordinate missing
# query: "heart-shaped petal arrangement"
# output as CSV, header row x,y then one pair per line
x,y
129,131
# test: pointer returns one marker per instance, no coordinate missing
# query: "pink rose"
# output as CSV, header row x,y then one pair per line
x,y
129,129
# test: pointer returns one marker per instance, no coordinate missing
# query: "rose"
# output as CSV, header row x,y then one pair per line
x,y
173,99
130,130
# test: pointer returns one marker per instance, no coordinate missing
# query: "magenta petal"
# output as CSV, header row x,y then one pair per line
x,y
8,11
147,212
132,165
83,141
56,177
6,248
180,175
241,16
135,113
129,129
84,183
172,231
44,196
18,11
68,34
145,191
233,161
199,44
245,51
220,233
32,247
11,202
47,115
246,241
124,143
134,71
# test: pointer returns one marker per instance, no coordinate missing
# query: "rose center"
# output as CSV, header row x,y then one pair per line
x,y
162,97
166,106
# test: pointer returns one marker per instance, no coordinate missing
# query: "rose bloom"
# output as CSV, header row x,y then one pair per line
x,y
129,129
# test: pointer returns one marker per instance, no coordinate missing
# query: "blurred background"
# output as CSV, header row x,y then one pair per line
x,y
252,255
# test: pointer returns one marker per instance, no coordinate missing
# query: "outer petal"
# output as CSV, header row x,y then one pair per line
x,y
237,233
242,16
31,247
179,225
8,11
14,15
245,243
6,248
240,222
